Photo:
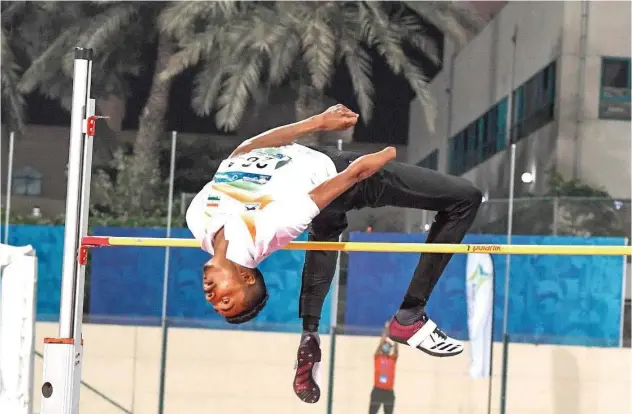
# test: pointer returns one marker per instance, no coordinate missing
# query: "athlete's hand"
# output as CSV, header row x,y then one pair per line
x,y
336,118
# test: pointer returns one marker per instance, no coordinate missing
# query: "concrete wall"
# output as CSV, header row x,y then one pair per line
x,y
483,72
596,150
234,372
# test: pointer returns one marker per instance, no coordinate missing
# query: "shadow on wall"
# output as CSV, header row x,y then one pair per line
x,y
567,393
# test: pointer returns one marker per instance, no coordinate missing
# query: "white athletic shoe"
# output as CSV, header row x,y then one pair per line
x,y
426,336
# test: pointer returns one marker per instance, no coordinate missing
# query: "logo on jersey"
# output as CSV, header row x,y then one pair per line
x,y
252,206
251,171
243,180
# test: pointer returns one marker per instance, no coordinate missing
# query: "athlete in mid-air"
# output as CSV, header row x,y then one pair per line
x,y
270,190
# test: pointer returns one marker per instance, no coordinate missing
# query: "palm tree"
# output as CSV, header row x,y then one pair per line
x,y
117,31
273,42
12,99
240,45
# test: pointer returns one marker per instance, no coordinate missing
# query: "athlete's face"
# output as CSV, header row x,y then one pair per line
x,y
225,287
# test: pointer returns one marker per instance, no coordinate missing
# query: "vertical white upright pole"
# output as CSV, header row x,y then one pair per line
x,y
165,281
505,358
73,196
7,208
62,355
512,173
1,145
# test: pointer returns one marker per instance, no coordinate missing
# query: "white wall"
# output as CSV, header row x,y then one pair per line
x,y
597,150
483,71
483,75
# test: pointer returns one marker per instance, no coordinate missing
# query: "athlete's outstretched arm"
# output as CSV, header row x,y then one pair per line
x,y
335,118
358,170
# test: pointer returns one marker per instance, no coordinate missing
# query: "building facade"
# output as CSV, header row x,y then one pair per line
x,y
551,77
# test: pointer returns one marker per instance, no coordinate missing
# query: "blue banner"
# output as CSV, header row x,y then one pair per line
x,y
553,299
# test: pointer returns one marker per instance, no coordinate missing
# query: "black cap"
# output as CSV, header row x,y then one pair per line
x,y
83,53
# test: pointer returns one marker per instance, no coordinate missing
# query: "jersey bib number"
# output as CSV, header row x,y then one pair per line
x,y
255,163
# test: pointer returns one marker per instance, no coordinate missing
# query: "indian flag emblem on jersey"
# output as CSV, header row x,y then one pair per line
x,y
212,201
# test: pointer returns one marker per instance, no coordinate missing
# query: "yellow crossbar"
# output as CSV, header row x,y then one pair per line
x,y
582,250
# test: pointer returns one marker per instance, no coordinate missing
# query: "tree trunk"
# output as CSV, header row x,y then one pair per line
x,y
145,172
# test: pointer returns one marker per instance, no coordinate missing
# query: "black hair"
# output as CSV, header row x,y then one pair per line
x,y
256,302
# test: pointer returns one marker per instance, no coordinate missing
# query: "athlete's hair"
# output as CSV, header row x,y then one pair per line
x,y
256,298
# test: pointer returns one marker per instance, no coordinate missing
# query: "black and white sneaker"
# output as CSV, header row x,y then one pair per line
x,y
426,336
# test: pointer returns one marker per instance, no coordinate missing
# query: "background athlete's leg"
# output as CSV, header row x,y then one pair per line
x,y
318,272
374,402
456,202
389,405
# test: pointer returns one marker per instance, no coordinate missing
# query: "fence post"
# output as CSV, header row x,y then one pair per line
x,y
556,205
165,282
503,377
7,206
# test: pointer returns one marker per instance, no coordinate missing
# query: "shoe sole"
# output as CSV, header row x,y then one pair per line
x,y
434,354
307,390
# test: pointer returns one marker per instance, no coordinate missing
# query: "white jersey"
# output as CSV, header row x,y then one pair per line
x,y
261,199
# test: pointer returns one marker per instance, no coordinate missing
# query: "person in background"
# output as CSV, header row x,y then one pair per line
x,y
384,359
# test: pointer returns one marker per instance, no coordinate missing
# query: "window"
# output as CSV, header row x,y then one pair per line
x,y
431,160
27,181
480,140
614,102
533,103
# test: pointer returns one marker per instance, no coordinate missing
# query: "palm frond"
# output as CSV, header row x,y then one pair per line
x,y
11,96
103,31
380,33
319,47
189,54
465,14
449,17
358,63
242,81
178,18
58,87
418,83
265,30
109,24
208,84
11,9
411,28
283,56
48,63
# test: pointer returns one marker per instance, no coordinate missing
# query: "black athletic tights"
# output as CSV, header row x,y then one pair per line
x,y
454,199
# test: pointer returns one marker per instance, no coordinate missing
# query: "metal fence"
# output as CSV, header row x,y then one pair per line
x,y
557,216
